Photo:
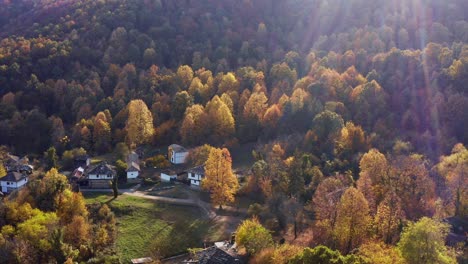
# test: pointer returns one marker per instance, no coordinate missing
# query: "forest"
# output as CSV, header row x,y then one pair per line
x,y
357,110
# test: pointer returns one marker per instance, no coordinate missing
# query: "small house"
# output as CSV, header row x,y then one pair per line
x,y
215,255
99,176
168,175
133,171
196,175
15,163
177,154
12,181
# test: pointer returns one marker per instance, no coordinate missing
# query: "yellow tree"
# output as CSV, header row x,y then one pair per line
x,y
454,169
2,170
139,123
219,179
194,124
373,178
352,220
220,119
389,217
101,133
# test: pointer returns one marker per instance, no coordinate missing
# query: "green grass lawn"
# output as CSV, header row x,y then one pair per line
x,y
175,192
149,228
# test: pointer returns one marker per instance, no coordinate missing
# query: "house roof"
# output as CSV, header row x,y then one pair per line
x,y
13,158
177,148
200,170
133,167
214,255
13,176
101,168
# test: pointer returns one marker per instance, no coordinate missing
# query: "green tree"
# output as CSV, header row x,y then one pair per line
x,y
424,242
323,255
51,158
253,236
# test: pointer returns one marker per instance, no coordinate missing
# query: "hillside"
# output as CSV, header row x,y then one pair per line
x,y
346,99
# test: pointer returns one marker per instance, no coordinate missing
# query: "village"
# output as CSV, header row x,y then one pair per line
x,y
91,176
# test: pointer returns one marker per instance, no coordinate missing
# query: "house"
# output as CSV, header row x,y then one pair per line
x,y
168,175
12,181
177,154
133,171
195,175
215,255
99,176
14,163
81,161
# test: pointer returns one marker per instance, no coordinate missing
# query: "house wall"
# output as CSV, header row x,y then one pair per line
x,y
132,174
100,176
8,186
167,178
195,179
100,184
179,157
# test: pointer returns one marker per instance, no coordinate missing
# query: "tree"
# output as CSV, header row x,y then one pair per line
x,y
193,128
424,242
51,158
182,100
121,168
323,255
2,170
389,217
327,126
219,179
352,220
373,177
378,252
220,120
253,236
454,169
101,133
139,124
115,187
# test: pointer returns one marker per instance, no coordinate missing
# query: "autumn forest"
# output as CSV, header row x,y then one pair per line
x,y
354,114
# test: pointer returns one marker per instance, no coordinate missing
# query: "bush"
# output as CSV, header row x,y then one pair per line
x,y
253,236
158,161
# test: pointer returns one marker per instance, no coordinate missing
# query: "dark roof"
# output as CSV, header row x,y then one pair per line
x,y
200,170
214,255
13,176
133,167
13,158
101,168
177,148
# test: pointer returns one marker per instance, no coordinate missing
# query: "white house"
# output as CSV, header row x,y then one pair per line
x,y
167,176
133,171
13,181
196,175
177,154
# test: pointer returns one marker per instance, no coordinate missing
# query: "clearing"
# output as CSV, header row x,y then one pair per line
x,y
151,228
